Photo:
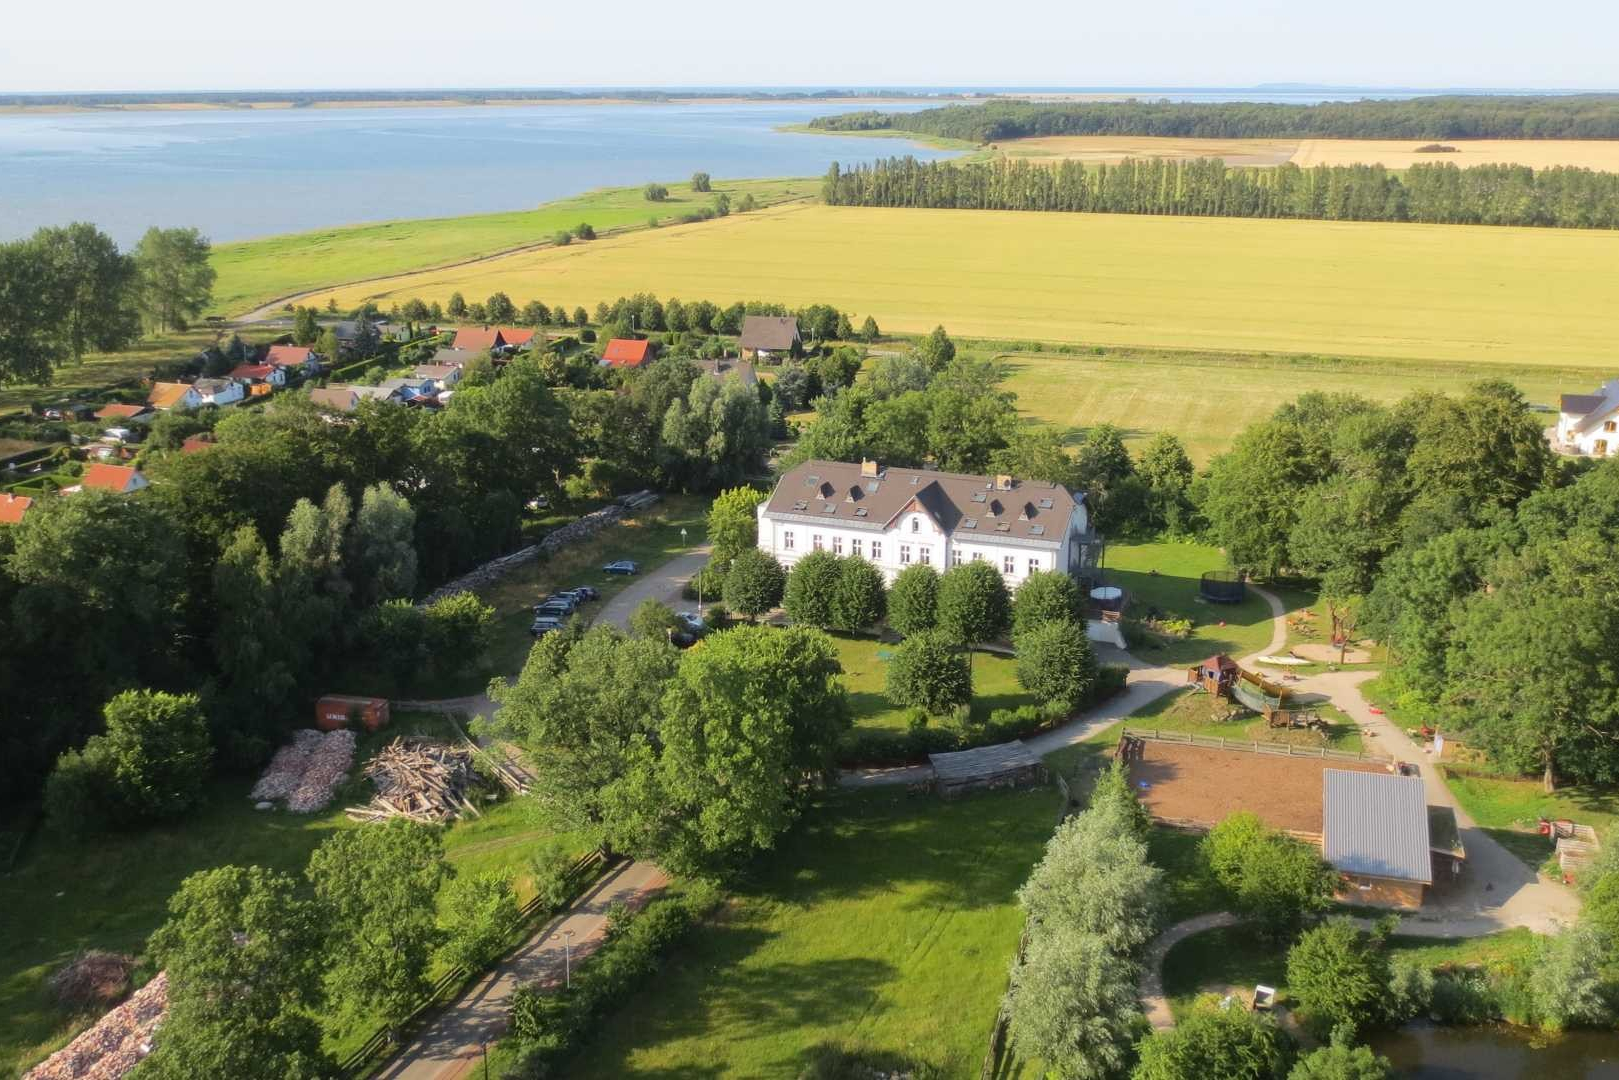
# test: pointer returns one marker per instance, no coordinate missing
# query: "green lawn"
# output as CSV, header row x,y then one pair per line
x,y
884,924
111,893
1163,578
1193,711
1510,810
865,673
254,272
98,371
1236,958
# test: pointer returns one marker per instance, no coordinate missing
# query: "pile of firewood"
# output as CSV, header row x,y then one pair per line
x,y
419,779
117,1042
307,770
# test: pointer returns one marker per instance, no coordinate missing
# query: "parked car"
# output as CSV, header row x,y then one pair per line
x,y
694,622
627,567
560,612
563,599
582,593
544,625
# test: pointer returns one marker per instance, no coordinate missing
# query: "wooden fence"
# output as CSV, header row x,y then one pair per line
x,y
995,1057
1253,746
583,874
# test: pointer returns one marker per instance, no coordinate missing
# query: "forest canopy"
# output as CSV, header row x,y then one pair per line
x,y
1460,116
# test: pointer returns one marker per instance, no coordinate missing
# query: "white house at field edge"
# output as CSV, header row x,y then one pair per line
x,y
1588,424
896,518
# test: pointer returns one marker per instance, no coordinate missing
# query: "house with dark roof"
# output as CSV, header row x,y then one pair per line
x,y
219,391
724,369
896,518
627,353
1588,424
1374,832
768,337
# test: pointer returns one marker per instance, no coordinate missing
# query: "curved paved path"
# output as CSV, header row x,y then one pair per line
x,y
1151,988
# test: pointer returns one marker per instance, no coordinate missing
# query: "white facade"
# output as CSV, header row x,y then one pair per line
x,y
1588,424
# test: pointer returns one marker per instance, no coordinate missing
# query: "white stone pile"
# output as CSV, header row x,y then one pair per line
x,y
307,770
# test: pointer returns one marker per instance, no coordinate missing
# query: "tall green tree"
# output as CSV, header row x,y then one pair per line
x,y
97,288
929,671
382,546
754,584
733,524
937,350
174,279
1074,1006
1216,1044
913,600
378,887
31,314
244,953
812,586
1046,596
860,598
974,605
1339,975
1055,662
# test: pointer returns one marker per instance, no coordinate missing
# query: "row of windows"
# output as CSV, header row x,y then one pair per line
x,y
923,554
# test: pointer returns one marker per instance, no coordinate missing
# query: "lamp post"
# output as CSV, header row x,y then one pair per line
x,y
567,958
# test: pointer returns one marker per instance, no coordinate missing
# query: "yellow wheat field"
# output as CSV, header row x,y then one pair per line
x,y
1445,292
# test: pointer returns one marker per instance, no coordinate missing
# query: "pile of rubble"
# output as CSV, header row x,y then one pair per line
x,y
117,1042
584,528
307,770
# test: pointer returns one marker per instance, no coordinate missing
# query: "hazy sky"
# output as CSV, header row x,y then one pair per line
x,y
207,44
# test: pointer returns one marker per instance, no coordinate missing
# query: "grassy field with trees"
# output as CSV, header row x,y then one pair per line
x,y
882,926
254,272
1520,297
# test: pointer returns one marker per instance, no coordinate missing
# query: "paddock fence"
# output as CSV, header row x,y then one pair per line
x,y
1252,746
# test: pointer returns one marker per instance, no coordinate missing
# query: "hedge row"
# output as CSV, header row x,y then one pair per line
x,y
872,747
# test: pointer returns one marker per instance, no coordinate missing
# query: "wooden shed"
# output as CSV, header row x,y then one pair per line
x,y
1001,766
340,710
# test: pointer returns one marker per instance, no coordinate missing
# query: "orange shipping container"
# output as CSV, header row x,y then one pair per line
x,y
337,710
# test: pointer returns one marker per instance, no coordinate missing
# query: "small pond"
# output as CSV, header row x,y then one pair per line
x,y
1430,1052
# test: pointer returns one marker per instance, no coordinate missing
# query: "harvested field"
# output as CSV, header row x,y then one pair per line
x,y
1195,784
1115,148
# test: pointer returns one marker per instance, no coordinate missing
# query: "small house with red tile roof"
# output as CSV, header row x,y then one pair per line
x,y
118,479
174,395
13,507
292,357
198,443
129,414
515,337
249,374
627,353
474,339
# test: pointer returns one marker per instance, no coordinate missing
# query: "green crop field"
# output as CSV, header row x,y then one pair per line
x,y
1206,399
883,925
254,272
1507,296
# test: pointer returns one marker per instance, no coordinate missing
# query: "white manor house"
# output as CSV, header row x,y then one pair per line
x,y
896,518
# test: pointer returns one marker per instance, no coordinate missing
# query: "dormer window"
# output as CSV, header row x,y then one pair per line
x,y
916,525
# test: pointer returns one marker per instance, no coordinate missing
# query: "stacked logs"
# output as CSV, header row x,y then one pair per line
x,y
420,779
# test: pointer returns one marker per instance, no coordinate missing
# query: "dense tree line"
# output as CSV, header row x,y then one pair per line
x,y
1439,193
1571,116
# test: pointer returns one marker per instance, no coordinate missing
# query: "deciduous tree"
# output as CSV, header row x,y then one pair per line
x,y
754,583
733,524
1055,662
913,600
812,586
859,600
174,279
929,671
974,605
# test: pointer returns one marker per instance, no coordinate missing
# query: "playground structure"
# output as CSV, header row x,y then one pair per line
x,y
1223,587
1220,675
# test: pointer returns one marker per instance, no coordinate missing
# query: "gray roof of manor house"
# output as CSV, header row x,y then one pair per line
x,y
768,332
1375,824
869,496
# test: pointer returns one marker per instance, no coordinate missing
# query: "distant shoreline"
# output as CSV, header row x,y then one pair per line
x,y
289,103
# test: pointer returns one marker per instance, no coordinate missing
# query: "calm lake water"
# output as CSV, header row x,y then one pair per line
x,y
237,174
1476,1053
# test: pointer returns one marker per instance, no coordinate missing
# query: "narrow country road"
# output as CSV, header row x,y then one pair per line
x,y
452,1045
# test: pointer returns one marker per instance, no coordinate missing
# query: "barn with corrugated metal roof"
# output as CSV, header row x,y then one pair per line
x,y
1374,831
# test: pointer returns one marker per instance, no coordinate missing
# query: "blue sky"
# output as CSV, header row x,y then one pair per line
x,y
205,44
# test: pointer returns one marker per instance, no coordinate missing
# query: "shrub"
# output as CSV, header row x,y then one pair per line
x,y
458,631
700,182
1055,662
583,231
1215,1044
709,580
480,911
1339,976
913,600
929,671
1567,980
1267,874
1463,997
1342,1061
811,585
77,791
93,979
563,238
552,881
1047,596
653,619
859,600
1410,993
149,765
655,193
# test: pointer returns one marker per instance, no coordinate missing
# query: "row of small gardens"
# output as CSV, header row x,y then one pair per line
x,y
935,662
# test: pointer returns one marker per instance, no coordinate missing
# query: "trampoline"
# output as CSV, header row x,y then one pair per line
x,y
1223,587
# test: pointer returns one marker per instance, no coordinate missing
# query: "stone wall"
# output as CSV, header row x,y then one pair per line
x,y
587,526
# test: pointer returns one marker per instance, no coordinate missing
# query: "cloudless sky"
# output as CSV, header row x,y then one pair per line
x,y
234,44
